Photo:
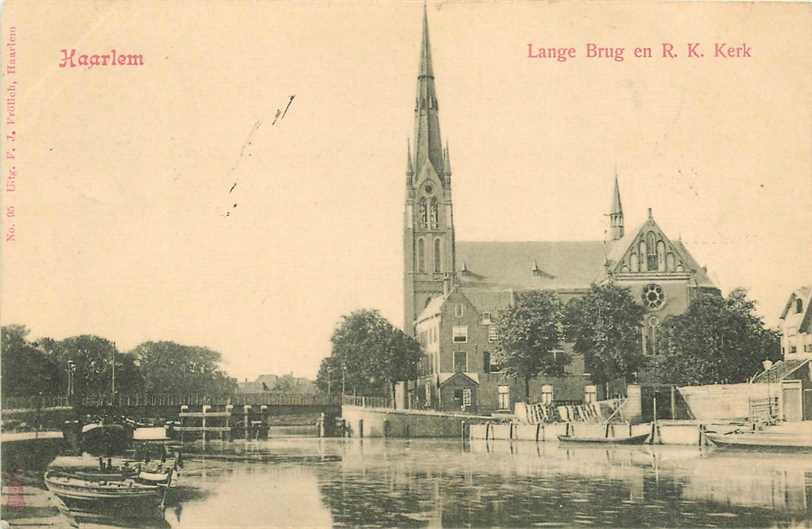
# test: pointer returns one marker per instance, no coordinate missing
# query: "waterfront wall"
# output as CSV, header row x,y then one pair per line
x,y
724,402
383,422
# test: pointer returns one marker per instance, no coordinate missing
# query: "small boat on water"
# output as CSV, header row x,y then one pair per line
x,y
627,440
134,483
762,441
124,494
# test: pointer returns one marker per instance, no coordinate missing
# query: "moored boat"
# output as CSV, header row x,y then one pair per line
x,y
126,494
757,440
627,440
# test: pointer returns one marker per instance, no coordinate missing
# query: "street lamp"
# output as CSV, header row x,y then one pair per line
x,y
71,383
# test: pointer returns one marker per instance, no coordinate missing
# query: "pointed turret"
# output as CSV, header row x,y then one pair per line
x,y
409,167
616,214
446,162
427,142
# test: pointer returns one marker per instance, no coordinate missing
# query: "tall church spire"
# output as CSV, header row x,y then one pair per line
x,y
616,214
427,142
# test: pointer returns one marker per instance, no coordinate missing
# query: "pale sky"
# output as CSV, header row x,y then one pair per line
x,y
124,173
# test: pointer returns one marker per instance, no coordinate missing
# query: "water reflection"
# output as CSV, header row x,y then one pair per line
x,y
438,483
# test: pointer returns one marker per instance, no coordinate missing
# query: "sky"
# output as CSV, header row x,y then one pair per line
x,y
124,172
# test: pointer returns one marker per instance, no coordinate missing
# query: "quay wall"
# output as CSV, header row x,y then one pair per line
x,y
385,422
28,452
670,432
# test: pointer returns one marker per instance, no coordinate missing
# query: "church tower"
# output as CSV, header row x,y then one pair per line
x,y
428,223
616,215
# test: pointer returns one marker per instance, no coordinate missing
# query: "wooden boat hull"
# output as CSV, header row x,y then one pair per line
x,y
760,442
631,440
125,496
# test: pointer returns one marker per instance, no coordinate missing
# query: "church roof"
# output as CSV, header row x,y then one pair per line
x,y
531,264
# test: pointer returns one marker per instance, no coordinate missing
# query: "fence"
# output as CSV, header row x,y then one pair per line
x,y
154,400
32,403
366,402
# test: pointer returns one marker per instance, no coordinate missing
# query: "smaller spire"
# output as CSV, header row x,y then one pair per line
x,y
650,214
409,166
616,226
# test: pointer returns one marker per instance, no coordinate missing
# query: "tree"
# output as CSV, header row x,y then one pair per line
x,y
93,357
368,354
716,341
172,367
26,369
530,333
605,327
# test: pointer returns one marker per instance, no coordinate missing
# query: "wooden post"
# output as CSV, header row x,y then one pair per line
x,y
673,402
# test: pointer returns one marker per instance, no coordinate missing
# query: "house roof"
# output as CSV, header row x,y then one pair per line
x,y
531,264
779,370
803,320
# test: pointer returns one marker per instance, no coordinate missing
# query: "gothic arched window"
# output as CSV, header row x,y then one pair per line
x,y
651,256
650,337
421,256
642,255
434,215
661,256
423,213
437,256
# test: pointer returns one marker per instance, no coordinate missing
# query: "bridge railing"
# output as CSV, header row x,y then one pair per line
x,y
170,400
34,402
366,402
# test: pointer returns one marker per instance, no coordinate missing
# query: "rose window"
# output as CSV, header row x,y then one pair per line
x,y
653,296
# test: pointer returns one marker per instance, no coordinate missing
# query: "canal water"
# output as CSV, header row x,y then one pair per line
x,y
308,482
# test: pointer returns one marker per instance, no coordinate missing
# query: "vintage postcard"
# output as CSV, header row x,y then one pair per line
x,y
406,264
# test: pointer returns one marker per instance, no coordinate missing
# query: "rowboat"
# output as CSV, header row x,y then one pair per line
x,y
761,441
628,440
115,485
124,495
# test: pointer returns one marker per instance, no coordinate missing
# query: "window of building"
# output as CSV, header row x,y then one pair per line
x,y
504,397
653,296
466,397
437,256
423,213
493,335
459,334
459,310
434,215
486,361
460,361
799,305
486,318
650,337
793,349
421,256
458,397
546,394
651,255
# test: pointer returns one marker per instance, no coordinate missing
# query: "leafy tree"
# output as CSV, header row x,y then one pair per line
x,y
716,341
605,327
26,369
93,357
529,332
172,367
368,354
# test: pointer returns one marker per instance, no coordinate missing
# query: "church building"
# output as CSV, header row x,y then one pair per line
x,y
454,289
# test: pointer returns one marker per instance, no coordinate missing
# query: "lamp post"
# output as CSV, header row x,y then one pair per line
x,y
71,382
767,364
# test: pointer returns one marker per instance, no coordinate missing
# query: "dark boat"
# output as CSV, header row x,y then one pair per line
x,y
104,439
629,440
